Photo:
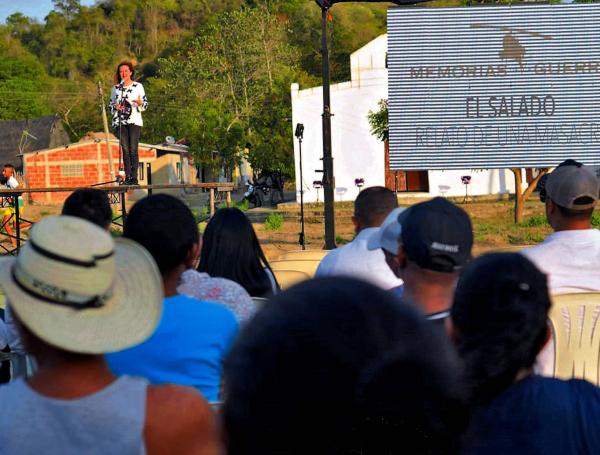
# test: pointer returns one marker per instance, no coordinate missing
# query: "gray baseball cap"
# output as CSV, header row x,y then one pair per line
x,y
573,187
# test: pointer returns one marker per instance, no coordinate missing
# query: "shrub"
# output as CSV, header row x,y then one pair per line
x,y
274,222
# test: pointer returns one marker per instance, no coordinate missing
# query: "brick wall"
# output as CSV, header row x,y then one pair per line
x,y
80,164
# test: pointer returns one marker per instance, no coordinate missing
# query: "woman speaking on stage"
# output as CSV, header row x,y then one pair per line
x,y
127,102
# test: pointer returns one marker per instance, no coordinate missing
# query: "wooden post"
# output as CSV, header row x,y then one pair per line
x,y
105,122
520,195
211,201
228,198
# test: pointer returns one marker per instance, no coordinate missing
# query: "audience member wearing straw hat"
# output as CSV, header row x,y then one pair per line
x,y
88,203
77,294
193,336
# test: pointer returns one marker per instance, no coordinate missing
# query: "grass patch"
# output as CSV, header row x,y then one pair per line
x,y
484,230
339,240
243,205
535,221
526,237
201,215
274,222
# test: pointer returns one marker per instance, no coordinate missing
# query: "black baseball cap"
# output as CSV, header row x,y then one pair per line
x,y
437,235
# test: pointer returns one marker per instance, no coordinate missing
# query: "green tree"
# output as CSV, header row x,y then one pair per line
x,y
23,83
68,8
234,81
379,121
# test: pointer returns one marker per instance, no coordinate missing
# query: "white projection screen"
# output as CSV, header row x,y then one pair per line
x,y
494,87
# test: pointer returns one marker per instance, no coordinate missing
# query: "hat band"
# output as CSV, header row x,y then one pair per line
x,y
57,257
50,293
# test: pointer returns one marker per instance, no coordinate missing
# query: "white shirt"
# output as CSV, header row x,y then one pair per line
x,y
131,94
571,260
12,183
355,260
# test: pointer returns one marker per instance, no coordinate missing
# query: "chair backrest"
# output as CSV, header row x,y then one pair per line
x,y
309,266
303,255
575,323
288,278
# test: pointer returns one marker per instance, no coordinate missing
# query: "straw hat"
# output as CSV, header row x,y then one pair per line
x,y
77,289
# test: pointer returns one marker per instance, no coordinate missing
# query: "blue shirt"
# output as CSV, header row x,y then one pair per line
x,y
538,415
187,347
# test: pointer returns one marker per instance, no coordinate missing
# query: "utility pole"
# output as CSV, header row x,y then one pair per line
x,y
328,176
106,133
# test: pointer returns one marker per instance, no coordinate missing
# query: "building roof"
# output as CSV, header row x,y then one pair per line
x,y
22,136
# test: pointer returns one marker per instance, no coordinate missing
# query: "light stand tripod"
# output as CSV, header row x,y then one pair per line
x,y
300,134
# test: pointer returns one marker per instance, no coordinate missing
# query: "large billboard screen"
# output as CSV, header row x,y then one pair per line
x,y
494,87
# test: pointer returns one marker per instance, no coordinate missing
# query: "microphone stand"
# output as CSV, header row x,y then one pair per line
x,y
119,116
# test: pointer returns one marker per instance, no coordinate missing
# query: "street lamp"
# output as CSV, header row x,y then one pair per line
x,y
328,177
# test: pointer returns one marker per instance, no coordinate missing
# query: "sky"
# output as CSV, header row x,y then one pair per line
x,y
32,8
39,8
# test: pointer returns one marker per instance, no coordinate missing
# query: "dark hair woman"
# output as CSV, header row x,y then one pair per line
x,y
338,366
127,102
499,324
230,249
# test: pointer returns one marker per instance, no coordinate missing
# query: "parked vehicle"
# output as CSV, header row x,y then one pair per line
x,y
254,194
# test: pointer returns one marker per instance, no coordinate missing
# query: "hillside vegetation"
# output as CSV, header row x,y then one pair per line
x,y
217,74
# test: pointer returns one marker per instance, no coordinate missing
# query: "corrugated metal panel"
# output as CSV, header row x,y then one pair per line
x,y
494,87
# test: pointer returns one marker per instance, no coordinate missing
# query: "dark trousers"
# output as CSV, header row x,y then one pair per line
x,y
4,366
130,138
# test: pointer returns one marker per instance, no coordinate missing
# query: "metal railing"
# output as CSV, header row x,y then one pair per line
x,y
116,195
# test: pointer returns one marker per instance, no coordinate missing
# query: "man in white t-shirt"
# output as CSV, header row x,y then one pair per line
x,y
371,207
570,256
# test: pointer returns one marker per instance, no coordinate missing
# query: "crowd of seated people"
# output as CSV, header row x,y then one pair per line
x,y
151,342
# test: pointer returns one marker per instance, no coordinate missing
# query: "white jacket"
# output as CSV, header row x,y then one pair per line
x,y
130,94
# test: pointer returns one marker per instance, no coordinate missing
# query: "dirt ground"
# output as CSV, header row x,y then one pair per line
x,y
492,223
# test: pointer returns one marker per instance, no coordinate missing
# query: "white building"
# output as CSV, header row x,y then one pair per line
x,y
357,153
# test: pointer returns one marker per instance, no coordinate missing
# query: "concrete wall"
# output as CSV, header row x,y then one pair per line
x,y
164,172
356,152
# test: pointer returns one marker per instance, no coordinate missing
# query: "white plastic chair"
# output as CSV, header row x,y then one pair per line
x,y
575,322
